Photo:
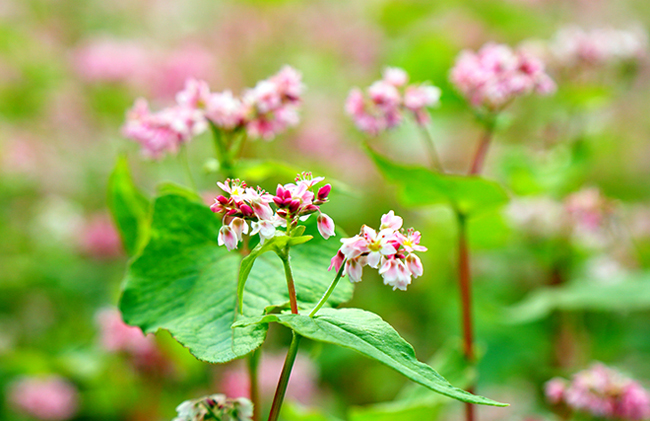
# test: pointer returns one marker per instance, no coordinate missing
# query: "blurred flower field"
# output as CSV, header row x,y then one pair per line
x,y
153,153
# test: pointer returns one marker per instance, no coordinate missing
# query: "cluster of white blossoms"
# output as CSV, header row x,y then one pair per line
x,y
215,407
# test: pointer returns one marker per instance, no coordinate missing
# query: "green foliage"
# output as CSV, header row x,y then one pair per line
x,y
624,295
278,244
468,195
185,283
367,333
129,206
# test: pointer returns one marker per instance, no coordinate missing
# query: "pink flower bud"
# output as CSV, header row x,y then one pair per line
x,y
354,269
414,265
239,227
294,206
395,274
337,261
50,398
323,192
391,221
223,200
227,237
246,210
395,76
325,226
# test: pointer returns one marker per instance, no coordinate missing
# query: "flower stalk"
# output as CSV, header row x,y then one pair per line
x,y
284,377
329,291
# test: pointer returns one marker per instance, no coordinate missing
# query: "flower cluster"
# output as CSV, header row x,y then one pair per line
x,y
391,249
48,398
215,407
163,131
263,112
601,392
495,75
573,46
294,202
385,101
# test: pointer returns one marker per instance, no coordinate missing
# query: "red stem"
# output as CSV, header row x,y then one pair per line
x,y
465,280
481,151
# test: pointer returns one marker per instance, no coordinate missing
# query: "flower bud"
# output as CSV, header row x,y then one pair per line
x,y
323,192
325,226
227,237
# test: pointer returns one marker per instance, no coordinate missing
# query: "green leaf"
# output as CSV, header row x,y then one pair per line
x,y
185,283
368,334
292,411
276,244
625,295
469,195
129,207
177,189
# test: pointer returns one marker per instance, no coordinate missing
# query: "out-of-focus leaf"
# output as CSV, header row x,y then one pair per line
x,y
631,294
253,170
469,195
173,188
129,207
367,333
295,412
185,283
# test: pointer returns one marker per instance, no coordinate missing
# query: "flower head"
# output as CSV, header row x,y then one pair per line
x,y
601,392
293,202
209,407
47,398
384,103
390,249
495,75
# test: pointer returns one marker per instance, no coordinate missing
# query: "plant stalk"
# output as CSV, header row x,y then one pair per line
x,y
465,280
481,151
290,284
253,364
434,158
329,291
221,149
186,165
284,377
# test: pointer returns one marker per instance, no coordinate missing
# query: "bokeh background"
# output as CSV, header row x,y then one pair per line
x,y
69,70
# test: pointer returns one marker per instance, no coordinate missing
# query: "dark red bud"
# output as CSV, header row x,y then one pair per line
x,y
287,194
323,192
246,210
279,191
278,201
222,199
309,209
294,206
231,212
282,213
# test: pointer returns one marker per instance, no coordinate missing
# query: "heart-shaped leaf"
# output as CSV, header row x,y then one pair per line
x,y
185,283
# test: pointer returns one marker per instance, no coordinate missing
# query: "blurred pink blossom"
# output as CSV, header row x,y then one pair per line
x,y
111,60
496,75
190,61
46,398
573,46
382,106
601,392
589,209
302,383
99,238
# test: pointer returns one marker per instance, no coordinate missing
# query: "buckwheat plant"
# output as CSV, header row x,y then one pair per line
x,y
204,272
490,80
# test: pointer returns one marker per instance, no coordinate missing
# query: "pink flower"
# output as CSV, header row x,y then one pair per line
x,y
326,226
395,274
389,249
117,336
47,398
225,111
601,392
164,131
195,95
228,237
495,75
99,238
387,100
110,60
395,76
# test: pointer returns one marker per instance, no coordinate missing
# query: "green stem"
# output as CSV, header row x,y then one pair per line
x,y
290,284
329,291
253,364
436,165
284,377
186,164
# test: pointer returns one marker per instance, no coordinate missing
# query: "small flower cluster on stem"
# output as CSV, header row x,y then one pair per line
x,y
600,392
294,202
382,106
215,407
262,112
391,249
495,75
